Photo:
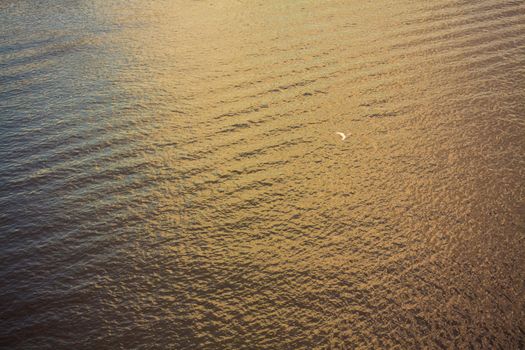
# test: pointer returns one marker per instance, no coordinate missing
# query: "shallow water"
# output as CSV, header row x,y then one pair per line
x,y
170,176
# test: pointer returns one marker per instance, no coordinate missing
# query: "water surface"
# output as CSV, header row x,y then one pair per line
x,y
170,176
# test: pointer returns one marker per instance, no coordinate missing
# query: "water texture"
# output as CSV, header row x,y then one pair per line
x,y
170,176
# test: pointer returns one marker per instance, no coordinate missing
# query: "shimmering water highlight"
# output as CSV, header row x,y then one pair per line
x,y
171,176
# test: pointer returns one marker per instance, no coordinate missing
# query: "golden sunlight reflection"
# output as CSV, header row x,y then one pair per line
x,y
262,174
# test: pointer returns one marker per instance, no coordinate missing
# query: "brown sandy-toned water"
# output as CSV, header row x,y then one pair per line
x,y
170,176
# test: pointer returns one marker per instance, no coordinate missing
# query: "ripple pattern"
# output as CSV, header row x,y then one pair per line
x,y
170,176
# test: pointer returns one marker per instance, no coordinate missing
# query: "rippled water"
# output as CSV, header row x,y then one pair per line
x,y
170,176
